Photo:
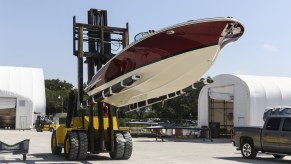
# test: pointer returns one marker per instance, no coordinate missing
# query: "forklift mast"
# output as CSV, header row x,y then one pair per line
x,y
100,38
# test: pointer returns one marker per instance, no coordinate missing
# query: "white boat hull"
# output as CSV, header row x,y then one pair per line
x,y
163,77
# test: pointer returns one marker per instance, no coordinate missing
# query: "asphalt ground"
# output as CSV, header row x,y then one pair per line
x,y
145,151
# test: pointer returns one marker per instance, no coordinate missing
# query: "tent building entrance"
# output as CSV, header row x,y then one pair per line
x,y
7,112
220,106
220,117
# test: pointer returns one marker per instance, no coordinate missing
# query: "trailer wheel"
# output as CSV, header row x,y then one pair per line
x,y
83,145
128,145
71,146
248,150
24,157
119,146
277,156
54,147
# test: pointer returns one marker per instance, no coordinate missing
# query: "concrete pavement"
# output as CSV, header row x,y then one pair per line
x,y
145,151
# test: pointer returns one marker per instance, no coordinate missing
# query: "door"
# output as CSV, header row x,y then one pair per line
x,y
286,136
23,122
241,121
271,135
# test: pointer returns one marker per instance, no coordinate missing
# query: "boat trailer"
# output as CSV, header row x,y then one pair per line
x,y
18,148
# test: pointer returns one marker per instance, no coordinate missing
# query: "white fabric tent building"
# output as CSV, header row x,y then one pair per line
x,y
22,90
240,100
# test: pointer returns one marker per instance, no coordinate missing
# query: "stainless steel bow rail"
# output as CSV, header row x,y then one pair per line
x,y
18,148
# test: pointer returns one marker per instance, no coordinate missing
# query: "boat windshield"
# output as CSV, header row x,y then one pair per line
x,y
141,35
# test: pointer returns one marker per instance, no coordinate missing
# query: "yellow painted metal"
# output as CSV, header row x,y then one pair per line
x,y
68,145
77,122
61,131
47,127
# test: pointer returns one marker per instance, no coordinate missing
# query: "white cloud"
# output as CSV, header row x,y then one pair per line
x,y
270,48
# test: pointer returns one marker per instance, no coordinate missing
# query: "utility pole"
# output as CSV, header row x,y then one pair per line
x,y
62,102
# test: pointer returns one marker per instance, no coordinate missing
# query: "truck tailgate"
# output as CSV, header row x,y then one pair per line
x,y
253,132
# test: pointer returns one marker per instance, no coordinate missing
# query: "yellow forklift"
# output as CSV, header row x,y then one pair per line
x,y
44,123
91,125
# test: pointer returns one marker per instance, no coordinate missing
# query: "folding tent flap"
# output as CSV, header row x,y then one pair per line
x,y
7,103
222,93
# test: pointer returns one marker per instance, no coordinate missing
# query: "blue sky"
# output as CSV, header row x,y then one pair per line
x,y
37,33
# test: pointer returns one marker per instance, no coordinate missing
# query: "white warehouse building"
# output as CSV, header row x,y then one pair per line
x,y
22,93
240,100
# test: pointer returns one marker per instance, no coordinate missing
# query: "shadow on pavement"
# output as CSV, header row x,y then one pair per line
x,y
257,160
188,140
49,158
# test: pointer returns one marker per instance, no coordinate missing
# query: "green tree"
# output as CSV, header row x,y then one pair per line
x,y
184,106
56,92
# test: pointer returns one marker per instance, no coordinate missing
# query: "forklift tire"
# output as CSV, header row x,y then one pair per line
x,y
128,145
83,145
54,147
71,146
119,146
38,129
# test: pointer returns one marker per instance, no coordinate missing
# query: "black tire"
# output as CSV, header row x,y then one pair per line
x,y
38,129
277,156
248,150
119,146
83,145
71,146
128,145
54,147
